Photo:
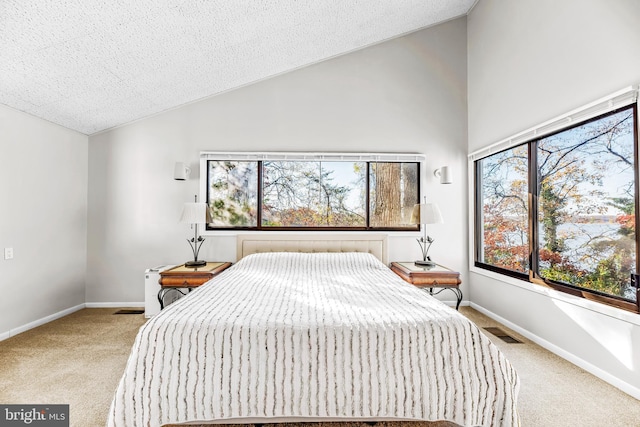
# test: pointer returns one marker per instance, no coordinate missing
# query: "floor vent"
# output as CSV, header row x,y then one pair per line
x,y
502,335
133,311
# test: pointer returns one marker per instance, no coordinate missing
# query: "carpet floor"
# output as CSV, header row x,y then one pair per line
x,y
78,360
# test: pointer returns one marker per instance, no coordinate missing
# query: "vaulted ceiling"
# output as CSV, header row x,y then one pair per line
x,y
91,65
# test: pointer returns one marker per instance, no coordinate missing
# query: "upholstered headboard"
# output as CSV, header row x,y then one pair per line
x,y
375,244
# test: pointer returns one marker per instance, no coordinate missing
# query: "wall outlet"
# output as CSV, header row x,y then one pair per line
x,y
8,253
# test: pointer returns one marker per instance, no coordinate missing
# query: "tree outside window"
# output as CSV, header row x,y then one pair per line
x,y
232,193
582,201
586,205
504,210
281,194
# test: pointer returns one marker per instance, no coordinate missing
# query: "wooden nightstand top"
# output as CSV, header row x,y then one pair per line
x,y
189,277
436,276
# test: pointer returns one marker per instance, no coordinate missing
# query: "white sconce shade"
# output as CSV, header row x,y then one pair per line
x,y
181,171
445,175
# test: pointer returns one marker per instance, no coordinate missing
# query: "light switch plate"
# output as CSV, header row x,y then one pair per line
x,y
8,253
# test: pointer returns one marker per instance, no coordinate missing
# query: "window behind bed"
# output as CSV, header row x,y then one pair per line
x,y
311,191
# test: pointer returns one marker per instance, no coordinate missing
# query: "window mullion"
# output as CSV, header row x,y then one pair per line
x,y
367,208
478,213
260,193
534,260
637,198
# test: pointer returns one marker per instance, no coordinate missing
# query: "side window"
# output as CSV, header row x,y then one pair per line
x,y
562,209
502,213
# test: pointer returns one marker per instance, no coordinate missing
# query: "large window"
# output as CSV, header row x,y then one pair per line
x,y
561,209
311,195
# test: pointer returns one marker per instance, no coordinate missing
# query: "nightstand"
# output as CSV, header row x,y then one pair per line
x,y
437,276
183,279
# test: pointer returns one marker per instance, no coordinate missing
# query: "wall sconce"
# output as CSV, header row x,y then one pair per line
x,y
181,171
444,173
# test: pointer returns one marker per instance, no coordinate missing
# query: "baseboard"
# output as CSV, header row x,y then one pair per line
x,y
453,303
113,304
589,367
39,322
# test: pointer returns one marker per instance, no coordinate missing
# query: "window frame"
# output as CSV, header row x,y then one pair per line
x,y
533,275
259,158
478,219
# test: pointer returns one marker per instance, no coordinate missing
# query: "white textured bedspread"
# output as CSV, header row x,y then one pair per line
x,y
322,335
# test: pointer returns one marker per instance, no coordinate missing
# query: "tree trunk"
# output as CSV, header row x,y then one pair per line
x,y
410,190
551,217
386,200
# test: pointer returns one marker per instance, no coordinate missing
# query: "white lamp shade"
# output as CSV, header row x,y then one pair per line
x,y
426,213
194,213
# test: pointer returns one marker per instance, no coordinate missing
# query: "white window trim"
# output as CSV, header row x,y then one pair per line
x,y
284,155
618,99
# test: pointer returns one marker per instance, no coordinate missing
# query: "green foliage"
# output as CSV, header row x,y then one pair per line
x,y
625,204
551,205
232,193
610,276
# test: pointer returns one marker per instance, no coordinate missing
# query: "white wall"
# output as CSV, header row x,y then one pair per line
x,y
529,61
407,95
43,208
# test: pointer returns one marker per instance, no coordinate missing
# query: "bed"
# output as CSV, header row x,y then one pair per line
x,y
312,330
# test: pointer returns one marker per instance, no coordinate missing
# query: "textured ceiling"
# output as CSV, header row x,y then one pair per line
x,y
90,65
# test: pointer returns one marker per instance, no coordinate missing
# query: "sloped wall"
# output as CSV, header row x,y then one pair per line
x,y
404,95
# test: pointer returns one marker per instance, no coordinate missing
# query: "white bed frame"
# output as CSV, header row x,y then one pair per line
x,y
375,244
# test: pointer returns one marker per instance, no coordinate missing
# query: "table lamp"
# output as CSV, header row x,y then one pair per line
x,y
195,214
425,213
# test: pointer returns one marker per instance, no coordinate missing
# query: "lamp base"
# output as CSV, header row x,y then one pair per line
x,y
427,263
195,263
